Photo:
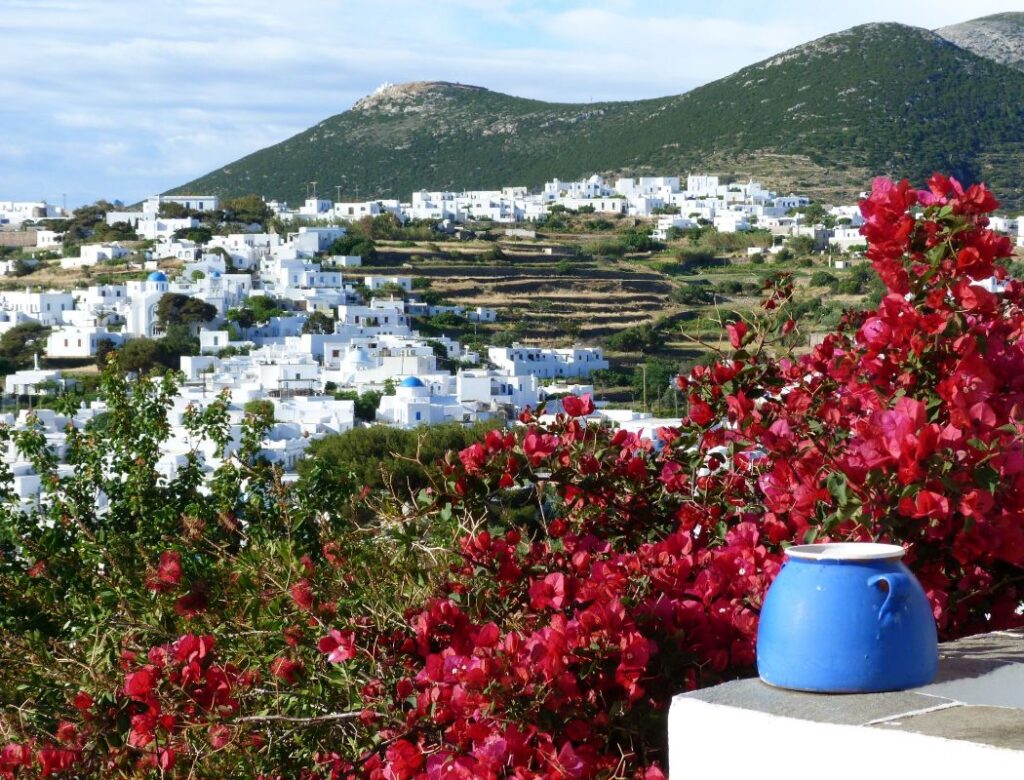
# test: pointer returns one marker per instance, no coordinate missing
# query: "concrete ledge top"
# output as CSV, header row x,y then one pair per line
x,y
977,701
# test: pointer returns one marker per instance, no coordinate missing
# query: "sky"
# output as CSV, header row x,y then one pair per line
x,y
121,99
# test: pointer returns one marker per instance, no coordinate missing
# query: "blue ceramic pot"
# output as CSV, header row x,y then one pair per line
x,y
846,618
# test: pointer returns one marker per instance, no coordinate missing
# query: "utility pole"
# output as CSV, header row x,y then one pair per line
x,y
337,192
643,368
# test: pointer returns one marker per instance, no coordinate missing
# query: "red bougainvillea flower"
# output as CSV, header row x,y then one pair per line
x,y
286,669
67,732
404,759
700,412
191,648
83,701
55,761
165,759
139,684
473,458
192,603
332,552
338,645
549,593
578,406
737,332
302,594
167,574
13,756
220,736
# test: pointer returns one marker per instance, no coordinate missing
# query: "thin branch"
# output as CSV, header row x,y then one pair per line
x,y
288,719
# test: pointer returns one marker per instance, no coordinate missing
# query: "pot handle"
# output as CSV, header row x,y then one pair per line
x,y
899,588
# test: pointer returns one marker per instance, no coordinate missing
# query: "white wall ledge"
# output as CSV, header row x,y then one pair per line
x,y
971,719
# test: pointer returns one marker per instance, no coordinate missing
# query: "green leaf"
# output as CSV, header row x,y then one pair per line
x,y
837,486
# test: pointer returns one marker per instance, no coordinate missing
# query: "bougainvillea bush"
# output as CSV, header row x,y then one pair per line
x,y
531,614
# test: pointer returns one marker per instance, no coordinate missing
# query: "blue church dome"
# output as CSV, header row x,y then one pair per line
x,y
157,276
215,274
411,381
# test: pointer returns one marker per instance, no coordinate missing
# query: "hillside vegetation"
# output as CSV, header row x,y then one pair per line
x,y
821,118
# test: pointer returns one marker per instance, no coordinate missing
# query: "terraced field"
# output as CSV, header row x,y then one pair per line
x,y
563,298
551,295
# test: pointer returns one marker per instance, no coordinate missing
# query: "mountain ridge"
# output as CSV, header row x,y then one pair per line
x,y
822,117
999,37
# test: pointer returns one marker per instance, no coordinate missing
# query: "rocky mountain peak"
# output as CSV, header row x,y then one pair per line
x,y
394,98
999,37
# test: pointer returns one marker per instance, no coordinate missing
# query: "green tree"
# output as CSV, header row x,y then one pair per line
x,y
139,355
364,404
23,267
178,309
197,235
262,409
381,455
319,323
388,290
104,349
84,220
263,307
639,240
243,317
639,338
119,231
382,226
247,209
171,210
355,244
822,279
178,340
814,214
22,343
801,245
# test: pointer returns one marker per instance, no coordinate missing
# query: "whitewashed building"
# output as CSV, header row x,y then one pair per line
x,y
92,254
47,308
518,360
415,404
79,341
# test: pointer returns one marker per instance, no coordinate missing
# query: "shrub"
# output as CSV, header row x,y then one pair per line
x,y
693,295
639,240
691,261
608,248
822,279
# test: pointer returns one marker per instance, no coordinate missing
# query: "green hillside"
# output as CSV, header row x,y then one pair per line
x,y
822,118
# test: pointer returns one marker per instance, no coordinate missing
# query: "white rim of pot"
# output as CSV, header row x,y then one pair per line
x,y
846,551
